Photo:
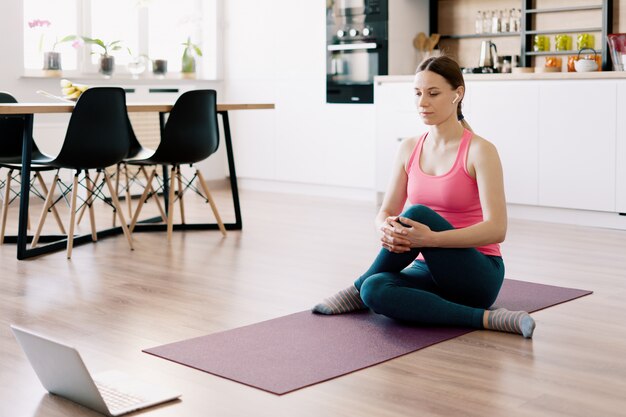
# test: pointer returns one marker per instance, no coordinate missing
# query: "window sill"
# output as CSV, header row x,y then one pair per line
x,y
146,78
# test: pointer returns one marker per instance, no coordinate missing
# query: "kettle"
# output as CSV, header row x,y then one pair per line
x,y
487,59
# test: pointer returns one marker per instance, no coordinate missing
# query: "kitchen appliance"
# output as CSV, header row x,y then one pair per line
x,y
487,58
366,38
587,63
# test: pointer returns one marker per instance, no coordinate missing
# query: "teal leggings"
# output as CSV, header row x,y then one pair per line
x,y
452,287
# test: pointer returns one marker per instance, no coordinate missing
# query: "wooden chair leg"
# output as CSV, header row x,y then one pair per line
x,y
84,207
70,234
89,203
55,213
5,204
118,209
128,196
142,200
181,191
205,188
156,198
117,187
44,212
170,206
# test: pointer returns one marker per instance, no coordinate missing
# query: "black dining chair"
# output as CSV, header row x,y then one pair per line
x,y
97,137
11,137
190,135
135,151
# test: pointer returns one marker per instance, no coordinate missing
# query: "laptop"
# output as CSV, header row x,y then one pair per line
x,y
62,372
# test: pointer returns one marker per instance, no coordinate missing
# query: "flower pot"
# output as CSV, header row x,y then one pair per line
x,y
107,65
188,63
52,61
159,67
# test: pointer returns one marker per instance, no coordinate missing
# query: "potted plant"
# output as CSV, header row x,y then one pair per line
x,y
189,58
107,61
51,58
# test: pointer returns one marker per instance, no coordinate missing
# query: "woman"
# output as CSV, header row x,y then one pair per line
x,y
456,220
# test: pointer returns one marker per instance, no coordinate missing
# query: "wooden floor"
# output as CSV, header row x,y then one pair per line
x,y
111,303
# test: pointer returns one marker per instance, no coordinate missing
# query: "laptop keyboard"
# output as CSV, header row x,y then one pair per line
x,y
116,399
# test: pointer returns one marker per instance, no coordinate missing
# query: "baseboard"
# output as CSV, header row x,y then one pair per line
x,y
286,187
605,220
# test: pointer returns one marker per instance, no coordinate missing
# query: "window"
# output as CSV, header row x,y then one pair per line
x,y
45,23
154,28
114,20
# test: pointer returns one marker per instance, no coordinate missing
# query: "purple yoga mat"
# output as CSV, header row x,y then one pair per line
x,y
302,349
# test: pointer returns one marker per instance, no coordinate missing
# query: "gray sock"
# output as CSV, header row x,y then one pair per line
x,y
504,320
343,302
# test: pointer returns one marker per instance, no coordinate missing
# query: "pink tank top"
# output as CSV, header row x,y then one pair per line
x,y
453,195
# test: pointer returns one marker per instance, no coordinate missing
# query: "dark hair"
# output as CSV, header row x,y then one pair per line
x,y
449,69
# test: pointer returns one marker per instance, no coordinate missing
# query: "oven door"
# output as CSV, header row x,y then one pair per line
x,y
355,63
349,7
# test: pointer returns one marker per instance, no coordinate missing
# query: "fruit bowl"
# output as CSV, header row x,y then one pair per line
x,y
72,91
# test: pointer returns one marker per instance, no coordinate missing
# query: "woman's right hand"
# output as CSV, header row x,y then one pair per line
x,y
393,236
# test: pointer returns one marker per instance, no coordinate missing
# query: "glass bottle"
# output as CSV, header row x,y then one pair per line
x,y
479,22
512,24
496,20
505,24
487,21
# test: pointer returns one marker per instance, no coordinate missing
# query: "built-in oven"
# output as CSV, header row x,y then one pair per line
x,y
356,49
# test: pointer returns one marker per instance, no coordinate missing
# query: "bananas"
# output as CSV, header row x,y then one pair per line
x,y
72,91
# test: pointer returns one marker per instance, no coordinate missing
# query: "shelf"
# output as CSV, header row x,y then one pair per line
x,y
528,27
565,9
558,31
530,12
552,53
482,35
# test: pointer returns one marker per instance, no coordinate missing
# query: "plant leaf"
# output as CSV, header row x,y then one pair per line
x,y
68,38
198,50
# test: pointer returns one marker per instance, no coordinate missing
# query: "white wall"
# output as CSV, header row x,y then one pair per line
x,y
275,51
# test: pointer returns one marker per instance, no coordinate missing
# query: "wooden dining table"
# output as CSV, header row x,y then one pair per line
x,y
27,111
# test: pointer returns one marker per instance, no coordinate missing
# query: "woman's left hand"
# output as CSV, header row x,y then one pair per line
x,y
417,234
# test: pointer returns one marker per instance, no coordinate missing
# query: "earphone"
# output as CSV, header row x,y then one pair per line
x,y
455,99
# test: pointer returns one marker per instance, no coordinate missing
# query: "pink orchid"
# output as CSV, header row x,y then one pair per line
x,y
39,23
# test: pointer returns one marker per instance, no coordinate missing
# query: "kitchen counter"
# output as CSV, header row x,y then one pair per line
x,y
602,75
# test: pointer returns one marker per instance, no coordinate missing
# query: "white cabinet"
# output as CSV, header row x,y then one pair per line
x,y
396,119
577,144
562,143
506,115
620,191
391,130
